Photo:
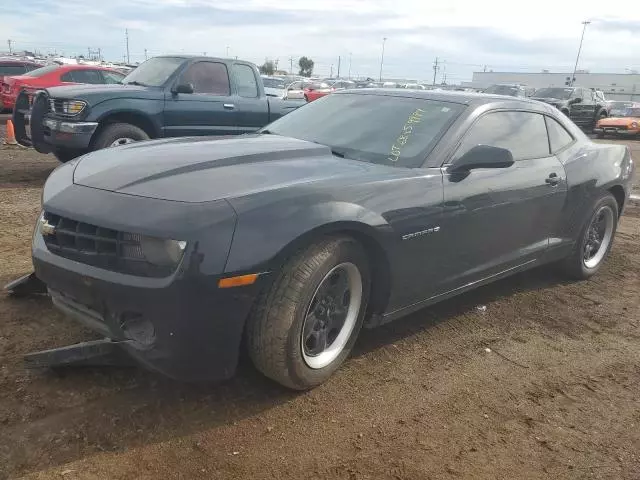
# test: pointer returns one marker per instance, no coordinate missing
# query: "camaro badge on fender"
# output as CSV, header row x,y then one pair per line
x,y
420,233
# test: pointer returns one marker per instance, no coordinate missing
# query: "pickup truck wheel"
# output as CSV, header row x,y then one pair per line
x,y
304,326
595,240
65,155
117,134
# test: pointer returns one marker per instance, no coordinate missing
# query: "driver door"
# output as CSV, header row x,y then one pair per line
x,y
209,110
499,219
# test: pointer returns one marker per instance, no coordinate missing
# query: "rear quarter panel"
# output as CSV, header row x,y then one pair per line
x,y
591,169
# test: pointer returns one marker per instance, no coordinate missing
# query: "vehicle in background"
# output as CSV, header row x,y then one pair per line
x,y
53,76
617,108
351,212
295,90
510,90
274,87
12,66
413,86
312,92
582,105
625,123
389,85
170,96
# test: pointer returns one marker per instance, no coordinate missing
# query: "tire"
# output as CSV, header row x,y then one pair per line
x,y
120,133
283,333
65,155
576,265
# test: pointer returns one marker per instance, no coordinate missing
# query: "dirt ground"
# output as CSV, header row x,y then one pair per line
x,y
543,384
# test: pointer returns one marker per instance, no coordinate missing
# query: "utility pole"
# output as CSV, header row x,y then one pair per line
x,y
584,27
276,63
350,57
146,57
291,65
436,67
384,40
227,51
331,74
484,69
126,35
339,59
10,51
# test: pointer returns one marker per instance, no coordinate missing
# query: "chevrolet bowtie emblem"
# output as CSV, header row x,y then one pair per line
x,y
46,228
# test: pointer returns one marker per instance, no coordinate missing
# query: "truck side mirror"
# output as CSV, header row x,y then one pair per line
x,y
183,88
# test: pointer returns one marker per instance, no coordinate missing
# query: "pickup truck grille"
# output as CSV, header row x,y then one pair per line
x,y
97,246
55,106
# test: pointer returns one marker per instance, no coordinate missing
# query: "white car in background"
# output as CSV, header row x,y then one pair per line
x,y
274,87
296,89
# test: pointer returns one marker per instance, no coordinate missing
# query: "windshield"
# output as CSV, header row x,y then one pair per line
x,y
273,82
154,72
560,93
38,72
618,109
503,90
632,112
388,130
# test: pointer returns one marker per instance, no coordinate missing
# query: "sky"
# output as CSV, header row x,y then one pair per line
x,y
465,35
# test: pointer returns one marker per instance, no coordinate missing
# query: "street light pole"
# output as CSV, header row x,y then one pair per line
x,y
350,55
584,27
384,40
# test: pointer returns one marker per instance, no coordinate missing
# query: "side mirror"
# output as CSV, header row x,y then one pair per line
x,y
483,156
183,88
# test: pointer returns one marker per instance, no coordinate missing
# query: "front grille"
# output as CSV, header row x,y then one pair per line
x,y
55,106
98,246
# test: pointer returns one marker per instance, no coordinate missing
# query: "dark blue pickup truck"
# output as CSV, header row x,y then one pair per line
x,y
169,96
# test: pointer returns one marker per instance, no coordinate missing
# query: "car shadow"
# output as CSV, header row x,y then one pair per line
x,y
118,408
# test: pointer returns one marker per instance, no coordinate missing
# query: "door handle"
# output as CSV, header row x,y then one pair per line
x,y
552,179
229,106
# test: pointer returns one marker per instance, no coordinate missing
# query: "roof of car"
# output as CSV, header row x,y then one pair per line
x,y
444,96
17,61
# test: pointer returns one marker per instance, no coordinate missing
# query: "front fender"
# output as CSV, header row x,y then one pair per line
x,y
264,235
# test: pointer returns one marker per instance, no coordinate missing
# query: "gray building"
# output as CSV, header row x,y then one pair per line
x,y
616,86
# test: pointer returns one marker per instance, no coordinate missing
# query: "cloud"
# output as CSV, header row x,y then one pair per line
x,y
464,34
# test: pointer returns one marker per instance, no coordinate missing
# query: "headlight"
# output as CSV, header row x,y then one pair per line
x,y
157,251
634,125
73,107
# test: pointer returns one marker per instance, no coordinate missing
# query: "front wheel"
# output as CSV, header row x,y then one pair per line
x,y
595,241
304,327
116,134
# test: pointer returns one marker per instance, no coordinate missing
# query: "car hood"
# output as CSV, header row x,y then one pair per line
x,y
96,93
206,169
618,121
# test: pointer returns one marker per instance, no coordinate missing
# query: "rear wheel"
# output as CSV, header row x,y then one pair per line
x,y
117,134
304,327
595,241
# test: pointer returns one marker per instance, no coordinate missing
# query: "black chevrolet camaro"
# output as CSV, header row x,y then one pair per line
x,y
352,211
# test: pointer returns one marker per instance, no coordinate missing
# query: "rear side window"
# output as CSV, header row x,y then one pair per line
x,y
15,69
208,78
246,80
66,77
87,76
523,133
559,138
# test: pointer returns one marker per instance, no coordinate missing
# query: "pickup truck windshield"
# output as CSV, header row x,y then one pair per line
x,y
389,130
559,93
154,72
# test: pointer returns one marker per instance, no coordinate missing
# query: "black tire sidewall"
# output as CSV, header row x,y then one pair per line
x,y
301,374
608,200
110,133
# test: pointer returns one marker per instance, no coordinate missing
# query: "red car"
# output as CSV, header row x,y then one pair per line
x,y
54,76
317,90
14,66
